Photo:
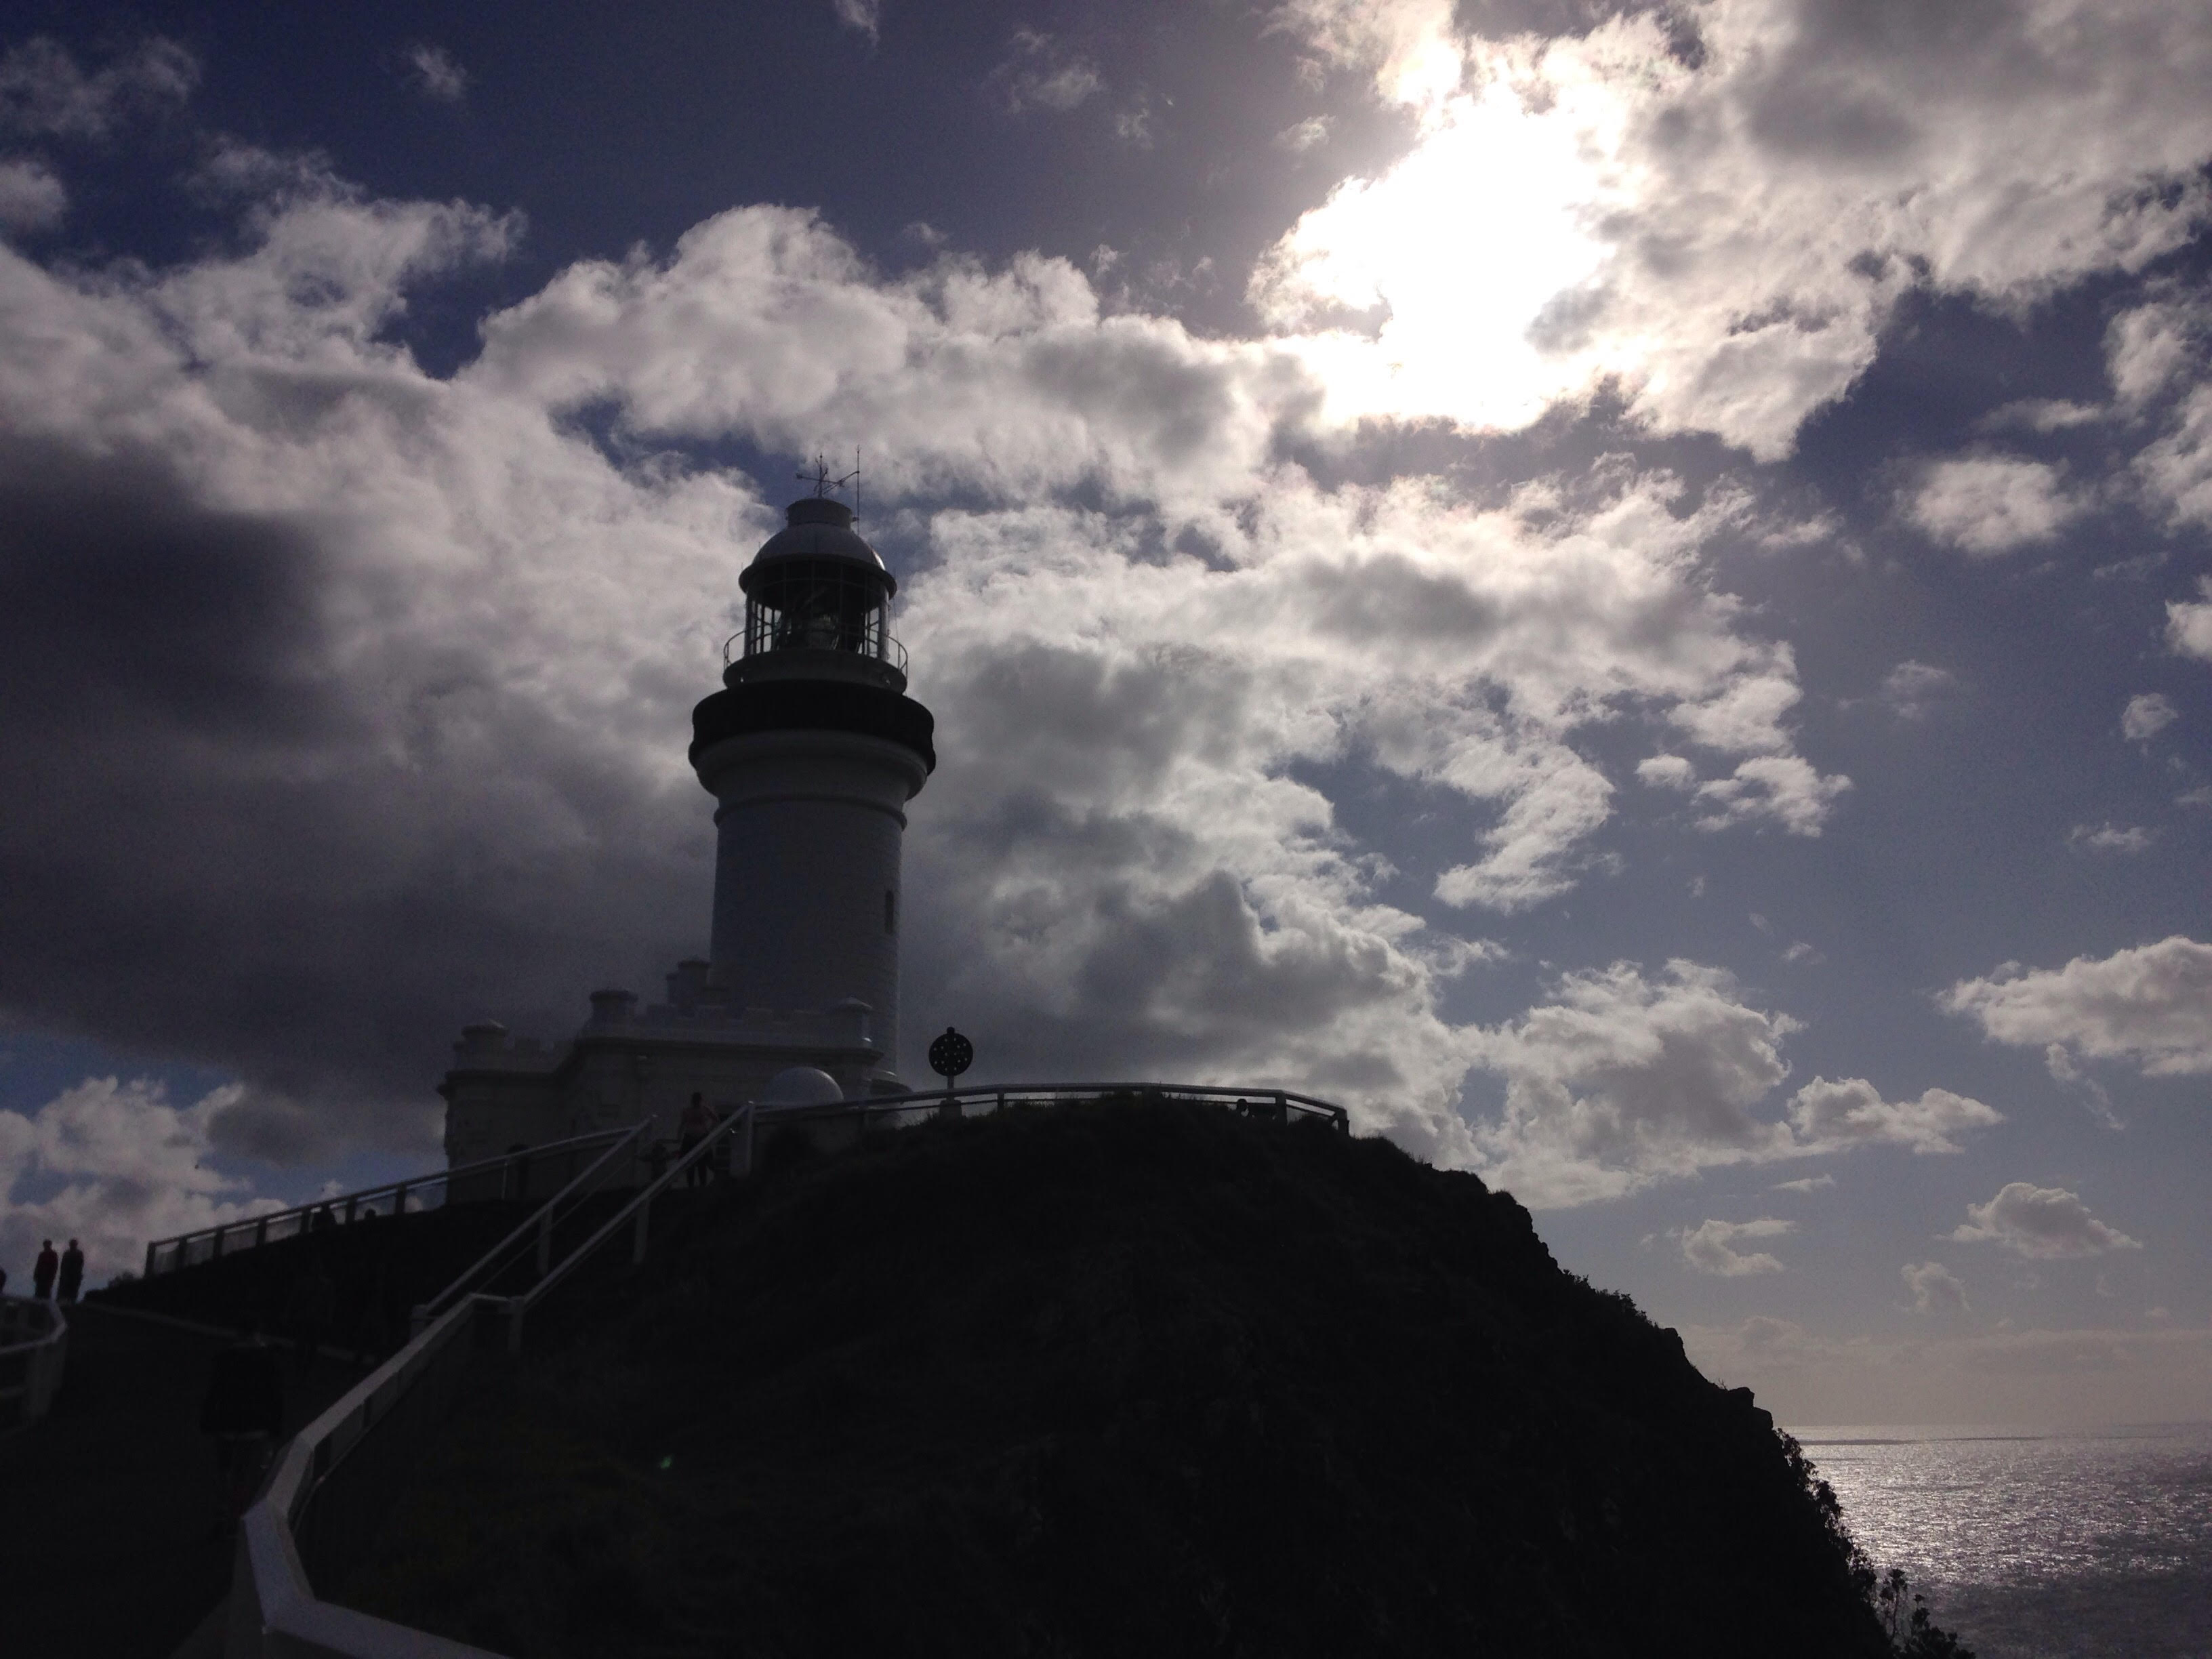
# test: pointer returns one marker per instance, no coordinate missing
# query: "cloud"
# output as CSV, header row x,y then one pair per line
x,y
1913,691
2147,715
2041,1223
1819,1183
1986,505
1785,789
1308,134
2040,415
1832,1116
2176,470
2124,839
1666,772
436,73
2150,1007
2148,347
2189,626
114,1164
1719,217
1040,72
31,198
403,745
1935,1289
1709,1247
862,16
43,92
1623,1079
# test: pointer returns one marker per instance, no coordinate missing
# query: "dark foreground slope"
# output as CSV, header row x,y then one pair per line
x,y
1136,1379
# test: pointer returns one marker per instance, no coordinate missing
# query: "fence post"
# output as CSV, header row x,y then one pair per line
x,y
399,1201
545,1243
215,1252
150,1259
751,1125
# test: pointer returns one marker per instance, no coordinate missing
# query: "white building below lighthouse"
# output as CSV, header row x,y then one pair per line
x,y
811,751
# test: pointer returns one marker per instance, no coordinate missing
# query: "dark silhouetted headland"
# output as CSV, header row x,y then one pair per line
x,y
1126,1379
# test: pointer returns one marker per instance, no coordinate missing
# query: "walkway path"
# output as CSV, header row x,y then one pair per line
x,y
109,1545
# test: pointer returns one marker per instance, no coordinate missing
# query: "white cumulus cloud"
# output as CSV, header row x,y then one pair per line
x,y
1711,1247
1935,1289
2147,715
2041,1223
2188,624
1623,1079
1985,505
114,1164
2150,1007
1851,1112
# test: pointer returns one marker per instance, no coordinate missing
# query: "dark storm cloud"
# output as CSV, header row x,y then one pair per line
x,y
212,852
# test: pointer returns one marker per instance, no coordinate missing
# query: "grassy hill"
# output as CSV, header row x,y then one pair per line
x,y
1136,1379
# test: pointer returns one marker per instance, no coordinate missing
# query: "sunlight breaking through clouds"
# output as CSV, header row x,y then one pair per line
x,y
1718,209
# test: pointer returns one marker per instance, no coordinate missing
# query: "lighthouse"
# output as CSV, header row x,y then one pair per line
x,y
811,751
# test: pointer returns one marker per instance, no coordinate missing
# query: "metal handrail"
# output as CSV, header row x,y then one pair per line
x,y
542,1220
254,1230
273,1608
1307,1105
640,1208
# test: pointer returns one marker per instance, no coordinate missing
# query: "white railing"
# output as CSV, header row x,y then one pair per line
x,y
334,1481
332,1484
637,1215
1279,1105
508,1175
509,1249
34,1347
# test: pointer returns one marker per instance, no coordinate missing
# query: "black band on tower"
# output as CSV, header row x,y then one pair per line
x,y
867,711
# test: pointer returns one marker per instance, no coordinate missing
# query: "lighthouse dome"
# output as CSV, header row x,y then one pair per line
x,y
816,527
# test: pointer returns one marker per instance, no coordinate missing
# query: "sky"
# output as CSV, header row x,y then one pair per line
x,y
1625,591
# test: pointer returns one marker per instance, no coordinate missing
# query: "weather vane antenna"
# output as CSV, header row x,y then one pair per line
x,y
824,485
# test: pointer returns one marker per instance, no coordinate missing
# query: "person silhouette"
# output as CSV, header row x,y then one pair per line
x,y
72,1278
44,1269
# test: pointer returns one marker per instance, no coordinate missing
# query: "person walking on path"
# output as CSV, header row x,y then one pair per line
x,y
72,1271
44,1269
695,1126
243,1412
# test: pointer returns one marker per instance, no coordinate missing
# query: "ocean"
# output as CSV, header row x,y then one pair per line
x,y
2081,1544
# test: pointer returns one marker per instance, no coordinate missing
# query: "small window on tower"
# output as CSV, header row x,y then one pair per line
x,y
890,910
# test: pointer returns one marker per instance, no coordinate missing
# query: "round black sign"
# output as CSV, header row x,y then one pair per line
x,y
950,1054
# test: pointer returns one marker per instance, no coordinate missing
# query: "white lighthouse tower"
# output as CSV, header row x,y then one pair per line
x,y
811,751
